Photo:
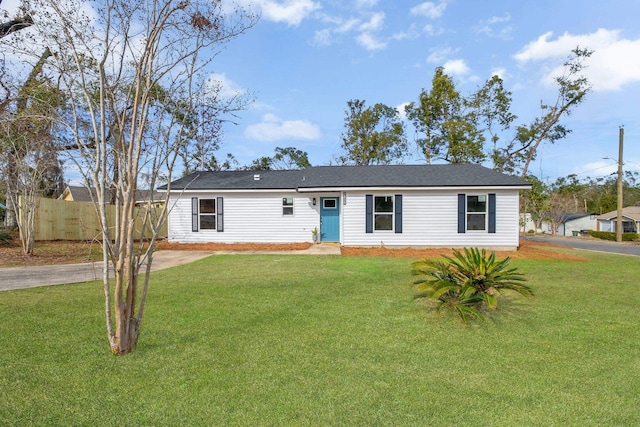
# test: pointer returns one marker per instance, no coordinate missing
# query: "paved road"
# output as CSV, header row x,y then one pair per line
x,y
589,244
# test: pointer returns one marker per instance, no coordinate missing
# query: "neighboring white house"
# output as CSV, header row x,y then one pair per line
x,y
391,205
630,220
576,222
570,222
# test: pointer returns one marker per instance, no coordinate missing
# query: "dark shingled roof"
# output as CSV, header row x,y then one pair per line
x,y
81,194
459,175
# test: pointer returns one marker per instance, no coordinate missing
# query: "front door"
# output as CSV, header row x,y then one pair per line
x,y
329,219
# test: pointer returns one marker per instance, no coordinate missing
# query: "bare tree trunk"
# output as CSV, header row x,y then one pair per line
x,y
133,98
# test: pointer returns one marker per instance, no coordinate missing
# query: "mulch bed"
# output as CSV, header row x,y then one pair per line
x,y
61,252
527,250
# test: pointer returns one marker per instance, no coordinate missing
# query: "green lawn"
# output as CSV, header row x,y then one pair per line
x,y
313,341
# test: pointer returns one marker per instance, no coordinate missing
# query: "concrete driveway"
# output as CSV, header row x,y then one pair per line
x,y
31,277
47,275
590,244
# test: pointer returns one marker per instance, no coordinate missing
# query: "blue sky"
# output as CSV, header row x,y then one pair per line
x,y
307,58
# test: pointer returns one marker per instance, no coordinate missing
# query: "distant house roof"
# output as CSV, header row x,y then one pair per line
x,y
84,194
568,217
325,177
142,196
631,212
77,194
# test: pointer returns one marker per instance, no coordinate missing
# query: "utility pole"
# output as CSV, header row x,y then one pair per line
x,y
620,198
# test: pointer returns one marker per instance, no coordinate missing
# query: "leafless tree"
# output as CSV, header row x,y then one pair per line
x,y
135,77
559,206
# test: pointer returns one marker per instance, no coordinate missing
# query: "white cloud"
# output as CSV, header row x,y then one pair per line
x,y
400,108
439,55
458,68
370,42
273,128
614,63
599,168
346,26
374,24
410,34
228,88
493,27
366,30
429,9
432,31
365,3
322,37
500,72
291,12
326,36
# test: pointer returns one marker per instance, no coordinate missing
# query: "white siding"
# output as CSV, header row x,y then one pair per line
x,y
584,223
248,217
429,219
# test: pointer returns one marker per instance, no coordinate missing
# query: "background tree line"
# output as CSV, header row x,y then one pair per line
x,y
453,128
552,201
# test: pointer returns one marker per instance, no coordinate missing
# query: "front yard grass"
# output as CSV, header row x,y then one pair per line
x,y
311,341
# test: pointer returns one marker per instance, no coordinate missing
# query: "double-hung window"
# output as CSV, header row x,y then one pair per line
x,y
207,213
477,212
383,213
287,206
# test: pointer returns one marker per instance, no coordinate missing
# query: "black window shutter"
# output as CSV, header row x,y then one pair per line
x,y
461,212
194,215
220,215
398,219
369,213
492,213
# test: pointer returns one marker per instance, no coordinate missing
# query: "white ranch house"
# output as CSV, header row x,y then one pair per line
x,y
390,205
571,224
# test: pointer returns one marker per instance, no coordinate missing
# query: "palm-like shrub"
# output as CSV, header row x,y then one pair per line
x,y
468,281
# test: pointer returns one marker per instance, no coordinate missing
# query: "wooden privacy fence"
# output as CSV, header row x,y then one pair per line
x,y
62,220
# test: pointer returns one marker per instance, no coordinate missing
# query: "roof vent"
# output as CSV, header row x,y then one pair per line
x,y
256,177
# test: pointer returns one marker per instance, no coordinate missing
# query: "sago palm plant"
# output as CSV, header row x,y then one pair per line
x,y
468,281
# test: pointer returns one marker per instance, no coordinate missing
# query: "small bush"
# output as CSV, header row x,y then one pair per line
x,y
530,231
467,282
610,235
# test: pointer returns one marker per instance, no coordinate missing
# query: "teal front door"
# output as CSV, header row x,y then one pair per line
x,y
329,219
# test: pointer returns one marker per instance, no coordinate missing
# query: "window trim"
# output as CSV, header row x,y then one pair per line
x,y
329,199
485,213
218,214
286,207
384,213
213,214
395,213
490,213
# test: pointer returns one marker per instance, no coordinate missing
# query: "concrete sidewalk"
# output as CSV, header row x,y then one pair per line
x,y
31,277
